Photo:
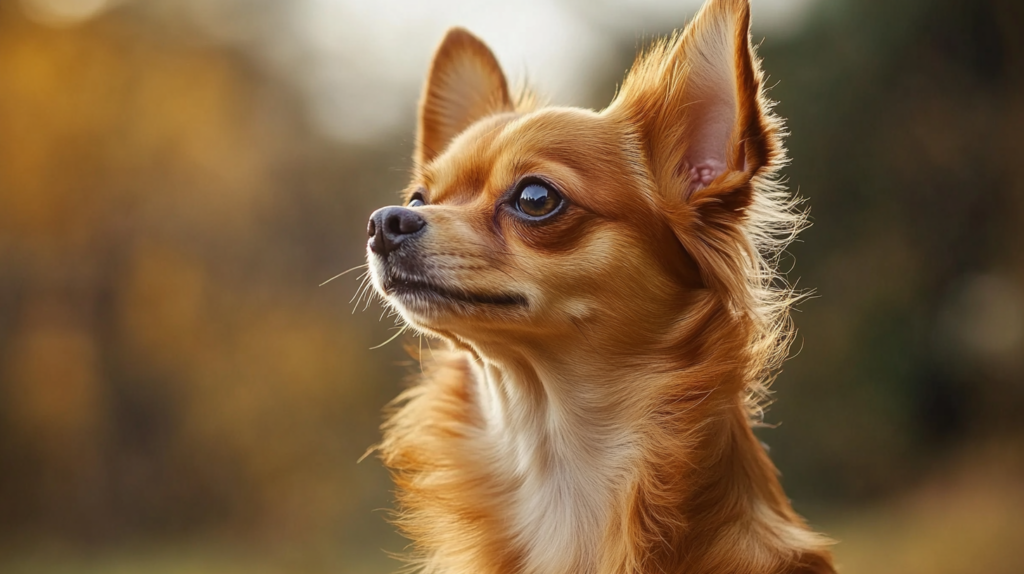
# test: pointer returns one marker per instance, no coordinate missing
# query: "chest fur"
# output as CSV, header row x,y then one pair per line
x,y
563,474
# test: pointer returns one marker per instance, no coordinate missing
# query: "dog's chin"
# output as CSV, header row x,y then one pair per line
x,y
429,302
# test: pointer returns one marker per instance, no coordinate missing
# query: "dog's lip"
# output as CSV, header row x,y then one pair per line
x,y
398,286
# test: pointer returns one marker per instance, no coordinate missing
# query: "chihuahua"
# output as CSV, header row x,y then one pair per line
x,y
606,287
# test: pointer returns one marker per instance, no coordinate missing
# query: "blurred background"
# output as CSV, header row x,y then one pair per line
x,y
177,177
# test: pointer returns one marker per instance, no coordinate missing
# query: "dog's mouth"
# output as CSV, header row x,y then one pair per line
x,y
422,289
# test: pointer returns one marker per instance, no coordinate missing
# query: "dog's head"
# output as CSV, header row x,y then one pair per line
x,y
537,224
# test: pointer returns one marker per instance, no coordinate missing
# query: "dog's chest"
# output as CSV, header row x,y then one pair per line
x,y
567,480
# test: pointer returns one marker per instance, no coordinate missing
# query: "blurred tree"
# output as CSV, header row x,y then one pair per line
x,y
167,364
904,119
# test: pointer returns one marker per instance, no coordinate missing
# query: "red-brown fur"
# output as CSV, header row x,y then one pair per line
x,y
605,426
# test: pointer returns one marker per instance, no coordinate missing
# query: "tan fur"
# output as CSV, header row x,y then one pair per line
x,y
603,427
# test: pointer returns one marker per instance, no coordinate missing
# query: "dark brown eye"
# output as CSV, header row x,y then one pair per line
x,y
416,200
537,200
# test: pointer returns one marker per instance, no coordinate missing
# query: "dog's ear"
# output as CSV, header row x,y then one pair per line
x,y
698,105
465,84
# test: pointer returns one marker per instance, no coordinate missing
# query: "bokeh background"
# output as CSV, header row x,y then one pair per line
x,y
177,177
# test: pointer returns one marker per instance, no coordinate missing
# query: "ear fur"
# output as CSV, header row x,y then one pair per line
x,y
465,84
696,105
697,101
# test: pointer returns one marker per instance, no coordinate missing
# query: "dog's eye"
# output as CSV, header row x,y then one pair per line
x,y
537,200
416,200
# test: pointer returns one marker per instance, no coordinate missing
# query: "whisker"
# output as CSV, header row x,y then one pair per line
x,y
419,356
395,336
369,299
362,282
344,272
362,285
359,296
431,349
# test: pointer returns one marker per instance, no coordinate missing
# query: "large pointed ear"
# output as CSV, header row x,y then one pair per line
x,y
465,84
698,104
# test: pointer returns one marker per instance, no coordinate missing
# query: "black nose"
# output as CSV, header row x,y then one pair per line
x,y
390,226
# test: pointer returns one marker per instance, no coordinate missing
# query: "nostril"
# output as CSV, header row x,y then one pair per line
x,y
371,228
410,222
402,222
394,223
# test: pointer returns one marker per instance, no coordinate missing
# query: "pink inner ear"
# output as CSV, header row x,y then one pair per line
x,y
711,118
703,173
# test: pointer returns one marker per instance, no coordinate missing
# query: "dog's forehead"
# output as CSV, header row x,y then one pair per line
x,y
501,148
458,174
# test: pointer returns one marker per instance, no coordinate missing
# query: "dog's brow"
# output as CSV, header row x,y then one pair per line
x,y
464,169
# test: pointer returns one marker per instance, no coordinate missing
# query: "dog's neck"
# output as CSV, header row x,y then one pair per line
x,y
612,463
566,456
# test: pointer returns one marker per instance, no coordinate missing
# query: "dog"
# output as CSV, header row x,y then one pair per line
x,y
606,288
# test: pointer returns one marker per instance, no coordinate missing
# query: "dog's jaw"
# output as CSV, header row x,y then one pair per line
x,y
427,298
